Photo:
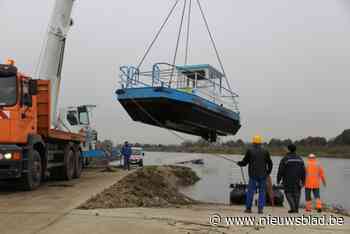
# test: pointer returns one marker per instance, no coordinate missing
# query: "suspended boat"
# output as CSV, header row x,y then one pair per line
x,y
194,99
190,99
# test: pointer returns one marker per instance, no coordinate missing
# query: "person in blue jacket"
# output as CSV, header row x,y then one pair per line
x,y
126,152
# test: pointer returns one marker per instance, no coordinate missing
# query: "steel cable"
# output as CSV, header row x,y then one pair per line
x,y
158,33
214,44
188,31
178,41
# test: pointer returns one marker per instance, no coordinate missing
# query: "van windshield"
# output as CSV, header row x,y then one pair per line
x,y
136,151
8,95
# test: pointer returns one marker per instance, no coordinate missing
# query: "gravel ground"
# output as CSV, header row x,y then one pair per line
x,y
151,186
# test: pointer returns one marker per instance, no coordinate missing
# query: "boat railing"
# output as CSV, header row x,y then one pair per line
x,y
167,75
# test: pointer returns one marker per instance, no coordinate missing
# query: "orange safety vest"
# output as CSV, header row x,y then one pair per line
x,y
314,173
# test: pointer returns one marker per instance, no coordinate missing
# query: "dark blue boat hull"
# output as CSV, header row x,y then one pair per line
x,y
180,111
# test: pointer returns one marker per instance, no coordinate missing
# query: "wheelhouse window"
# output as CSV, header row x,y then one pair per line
x,y
8,91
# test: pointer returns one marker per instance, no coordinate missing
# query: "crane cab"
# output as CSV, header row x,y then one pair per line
x,y
74,118
17,97
78,119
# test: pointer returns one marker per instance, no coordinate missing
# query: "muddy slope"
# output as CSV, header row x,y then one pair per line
x,y
152,186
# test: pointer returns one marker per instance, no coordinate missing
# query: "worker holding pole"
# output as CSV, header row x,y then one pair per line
x,y
314,174
260,167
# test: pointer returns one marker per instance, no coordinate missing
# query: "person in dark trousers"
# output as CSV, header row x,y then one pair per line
x,y
291,172
126,152
259,168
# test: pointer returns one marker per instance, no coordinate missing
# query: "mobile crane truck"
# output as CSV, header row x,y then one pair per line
x,y
33,145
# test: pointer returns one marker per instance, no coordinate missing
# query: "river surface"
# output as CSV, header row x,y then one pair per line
x,y
218,173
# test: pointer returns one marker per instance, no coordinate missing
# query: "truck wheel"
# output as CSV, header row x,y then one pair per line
x,y
141,163
69,164
78,164
32,179
86,162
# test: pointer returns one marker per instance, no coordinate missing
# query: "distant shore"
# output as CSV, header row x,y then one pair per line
x,y
337,147
324,152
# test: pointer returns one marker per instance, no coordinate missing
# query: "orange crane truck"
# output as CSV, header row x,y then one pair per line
x,y
33,145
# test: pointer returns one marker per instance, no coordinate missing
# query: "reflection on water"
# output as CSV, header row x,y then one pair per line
x,y
217,173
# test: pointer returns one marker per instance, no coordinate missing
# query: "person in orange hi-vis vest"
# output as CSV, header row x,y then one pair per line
x,y
314,175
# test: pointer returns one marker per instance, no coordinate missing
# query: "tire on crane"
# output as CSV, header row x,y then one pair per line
x,y
69,162
78,166
31,179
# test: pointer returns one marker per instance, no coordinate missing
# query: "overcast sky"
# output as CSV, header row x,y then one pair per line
x,y
288,59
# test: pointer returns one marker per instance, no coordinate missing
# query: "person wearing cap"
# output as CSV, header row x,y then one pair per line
x,y
314,175
260,166
126,152
291,172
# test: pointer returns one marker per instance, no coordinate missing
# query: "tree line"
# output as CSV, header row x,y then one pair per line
x,y
338,146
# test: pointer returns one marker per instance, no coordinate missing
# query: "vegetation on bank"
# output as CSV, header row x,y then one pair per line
x,y
334,152
338,147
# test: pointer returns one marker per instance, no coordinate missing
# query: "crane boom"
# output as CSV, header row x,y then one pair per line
x,y
51,60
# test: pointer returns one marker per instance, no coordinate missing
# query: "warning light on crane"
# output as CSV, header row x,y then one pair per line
x,y
10,62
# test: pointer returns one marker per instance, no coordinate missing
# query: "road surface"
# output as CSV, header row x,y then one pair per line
x,y
51,210
36,211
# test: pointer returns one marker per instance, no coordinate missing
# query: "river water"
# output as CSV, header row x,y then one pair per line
x,y
217,174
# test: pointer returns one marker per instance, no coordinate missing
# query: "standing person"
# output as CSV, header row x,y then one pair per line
x,y
126,152
259,168
291,172
314,174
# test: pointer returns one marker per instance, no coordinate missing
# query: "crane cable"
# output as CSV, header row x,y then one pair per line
x,y
184,139
188,31
214,44
158,33
186,60
187,40
178,41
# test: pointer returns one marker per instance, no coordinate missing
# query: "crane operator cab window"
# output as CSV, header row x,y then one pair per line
x,y
83,115
8,85
72,118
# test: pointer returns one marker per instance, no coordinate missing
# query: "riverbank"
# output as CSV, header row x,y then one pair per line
x,y
151,186
158,186
192,219
177,217
51,209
